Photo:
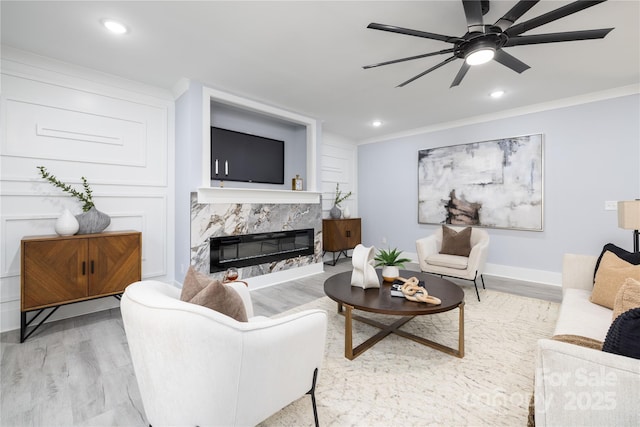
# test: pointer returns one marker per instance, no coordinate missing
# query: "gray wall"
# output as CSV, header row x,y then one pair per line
x,y
188,170
294,137
591,155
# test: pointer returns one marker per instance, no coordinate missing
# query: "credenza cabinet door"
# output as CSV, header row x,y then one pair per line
x,y
64,269
54,272
114,263
340,234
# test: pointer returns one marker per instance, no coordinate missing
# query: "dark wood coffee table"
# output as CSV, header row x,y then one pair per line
x,y
379,300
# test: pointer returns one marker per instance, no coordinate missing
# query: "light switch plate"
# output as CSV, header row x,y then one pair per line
x,y
611,205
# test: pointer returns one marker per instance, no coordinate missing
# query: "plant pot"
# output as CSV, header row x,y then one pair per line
x,y
335,212
93,221
390,273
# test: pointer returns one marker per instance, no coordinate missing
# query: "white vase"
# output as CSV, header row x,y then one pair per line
x,y
390,273
346,213
66,224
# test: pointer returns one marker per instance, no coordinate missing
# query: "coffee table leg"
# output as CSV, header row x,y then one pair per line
x,y
348,333
461,331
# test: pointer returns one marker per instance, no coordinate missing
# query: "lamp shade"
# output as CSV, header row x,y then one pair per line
x,y
629,214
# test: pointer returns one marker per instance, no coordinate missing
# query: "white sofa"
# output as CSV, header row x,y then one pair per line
x,y
579,386
195,366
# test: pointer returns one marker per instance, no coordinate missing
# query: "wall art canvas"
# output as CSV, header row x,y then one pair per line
x,y
497,184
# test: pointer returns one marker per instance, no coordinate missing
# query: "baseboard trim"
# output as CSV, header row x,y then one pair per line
x,y
284,276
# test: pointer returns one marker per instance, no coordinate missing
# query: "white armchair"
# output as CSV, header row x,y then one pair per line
x,y
467,268
196,366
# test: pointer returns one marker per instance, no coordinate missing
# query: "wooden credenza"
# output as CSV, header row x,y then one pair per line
x,y
59,270
340,235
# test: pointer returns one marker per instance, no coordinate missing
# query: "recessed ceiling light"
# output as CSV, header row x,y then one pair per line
x,y
497,94
115,26
376,123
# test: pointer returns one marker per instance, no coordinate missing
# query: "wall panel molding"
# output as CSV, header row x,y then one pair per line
x,y
78,122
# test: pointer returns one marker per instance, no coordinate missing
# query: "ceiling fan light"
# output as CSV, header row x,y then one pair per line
x,y
480,56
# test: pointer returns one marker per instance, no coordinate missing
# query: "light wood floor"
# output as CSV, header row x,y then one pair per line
x,y
77,372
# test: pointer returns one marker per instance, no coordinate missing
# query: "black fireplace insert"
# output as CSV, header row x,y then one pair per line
x,y
253,249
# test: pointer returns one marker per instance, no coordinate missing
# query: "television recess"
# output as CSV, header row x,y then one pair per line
x,y
237,156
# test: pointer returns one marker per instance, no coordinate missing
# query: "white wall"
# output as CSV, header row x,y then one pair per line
x,y
591,155
339,165
78,122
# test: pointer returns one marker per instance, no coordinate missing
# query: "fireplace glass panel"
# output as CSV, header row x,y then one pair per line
x,y
253,249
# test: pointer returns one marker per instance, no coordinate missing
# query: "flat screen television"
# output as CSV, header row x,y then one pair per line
x,y
237,156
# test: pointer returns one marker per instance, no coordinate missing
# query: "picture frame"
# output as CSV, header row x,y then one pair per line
x,y
495,184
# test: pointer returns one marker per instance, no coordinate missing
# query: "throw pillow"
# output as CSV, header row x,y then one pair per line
x,y
628,297
200,289
630,257
611,274
456,242
623,337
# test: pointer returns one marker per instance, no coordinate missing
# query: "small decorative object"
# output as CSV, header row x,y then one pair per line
x,y
346,213
390,261
66,224
92,220
335,211
231,275
414,292
296,183
364,274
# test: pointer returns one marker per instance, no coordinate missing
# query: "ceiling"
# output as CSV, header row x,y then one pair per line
x,y
307,56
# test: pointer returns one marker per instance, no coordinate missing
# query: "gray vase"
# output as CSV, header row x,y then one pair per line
x,y
335,212
92,221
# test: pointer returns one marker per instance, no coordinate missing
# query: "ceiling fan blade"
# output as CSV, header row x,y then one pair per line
x,y
510,61
473,13
561,12
395,61
515,13
410,32
463,71
446,61
558,37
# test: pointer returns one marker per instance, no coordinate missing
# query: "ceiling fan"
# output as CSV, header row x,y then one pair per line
x,y
482,42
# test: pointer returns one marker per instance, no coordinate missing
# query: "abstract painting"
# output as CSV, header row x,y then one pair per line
x,y
497,184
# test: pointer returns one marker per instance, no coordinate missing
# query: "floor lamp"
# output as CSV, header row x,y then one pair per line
x,y
629,219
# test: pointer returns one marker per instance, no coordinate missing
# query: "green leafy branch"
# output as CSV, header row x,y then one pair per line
x,y
339,196
86,198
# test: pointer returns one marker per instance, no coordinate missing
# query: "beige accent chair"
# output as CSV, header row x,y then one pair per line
x,y
196,366
467,268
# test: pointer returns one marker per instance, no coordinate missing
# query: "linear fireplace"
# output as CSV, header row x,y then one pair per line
x,y
253,249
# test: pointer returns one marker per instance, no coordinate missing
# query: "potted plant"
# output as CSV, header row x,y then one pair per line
x,y
335,211
390,260
91,220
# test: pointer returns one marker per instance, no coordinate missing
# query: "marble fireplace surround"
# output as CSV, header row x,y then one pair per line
x,y
212,219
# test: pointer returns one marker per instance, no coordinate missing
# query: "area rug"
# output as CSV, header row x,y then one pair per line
x,y
401,383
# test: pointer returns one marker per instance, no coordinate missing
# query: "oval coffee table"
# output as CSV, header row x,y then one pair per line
x,y
379,300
